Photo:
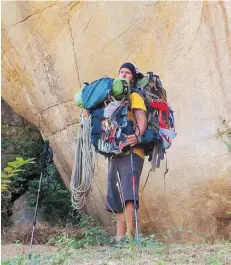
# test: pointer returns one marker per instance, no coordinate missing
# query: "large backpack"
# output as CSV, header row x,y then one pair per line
x,y
92,96
160,118
107,101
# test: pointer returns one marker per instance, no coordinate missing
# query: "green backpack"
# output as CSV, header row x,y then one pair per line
x,y
151,87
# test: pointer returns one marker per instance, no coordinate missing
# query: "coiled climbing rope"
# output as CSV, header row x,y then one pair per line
x,y
83,167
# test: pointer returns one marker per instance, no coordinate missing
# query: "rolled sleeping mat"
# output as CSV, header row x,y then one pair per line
x,y
78,99
120,88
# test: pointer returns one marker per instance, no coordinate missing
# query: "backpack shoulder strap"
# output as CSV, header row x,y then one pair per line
x,y
154,82
138,91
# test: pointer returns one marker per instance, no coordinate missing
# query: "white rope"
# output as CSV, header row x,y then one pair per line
x,y
83,167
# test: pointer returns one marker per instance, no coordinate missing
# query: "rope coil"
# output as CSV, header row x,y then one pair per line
x,y
83,167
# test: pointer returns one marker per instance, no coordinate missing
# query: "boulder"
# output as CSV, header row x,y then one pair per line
x,y
50,48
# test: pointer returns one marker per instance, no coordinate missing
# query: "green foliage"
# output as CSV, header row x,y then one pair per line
x,y
28,147
6,208
160,262
31,147
225,133
25,148
65,241
94,236
55,198
162,254
86,221
228,212
60,258
12,170
218,257
14,131
17,185
4,144
147,241
20,260
56,258
10,176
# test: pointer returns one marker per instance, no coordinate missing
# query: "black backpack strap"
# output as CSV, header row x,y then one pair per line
x,y
138,91
154,82
150,76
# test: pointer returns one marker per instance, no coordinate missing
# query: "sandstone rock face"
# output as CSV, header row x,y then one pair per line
x,y
50,48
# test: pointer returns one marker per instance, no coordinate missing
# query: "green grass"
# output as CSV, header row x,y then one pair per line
x,y
160,254
56,258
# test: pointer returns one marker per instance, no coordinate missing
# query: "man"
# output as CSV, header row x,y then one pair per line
x,y
121,166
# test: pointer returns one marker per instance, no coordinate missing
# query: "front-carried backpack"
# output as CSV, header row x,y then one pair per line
x,y
106,101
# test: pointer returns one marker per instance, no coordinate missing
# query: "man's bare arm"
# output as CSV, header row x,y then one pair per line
x,y
141,120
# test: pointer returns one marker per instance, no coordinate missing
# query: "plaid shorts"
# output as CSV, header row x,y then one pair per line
x,y
120,168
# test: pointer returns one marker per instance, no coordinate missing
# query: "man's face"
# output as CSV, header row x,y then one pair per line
x,y
125,73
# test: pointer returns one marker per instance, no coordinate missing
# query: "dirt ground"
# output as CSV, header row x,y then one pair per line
x,y
14,250
217,254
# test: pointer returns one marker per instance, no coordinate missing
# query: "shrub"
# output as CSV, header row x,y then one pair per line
x,y
55,198
10,176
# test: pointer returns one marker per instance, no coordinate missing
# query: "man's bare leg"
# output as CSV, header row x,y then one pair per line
x,y
130,219
125,221
121,226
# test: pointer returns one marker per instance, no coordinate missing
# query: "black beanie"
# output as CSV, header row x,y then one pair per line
x,y
130,67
